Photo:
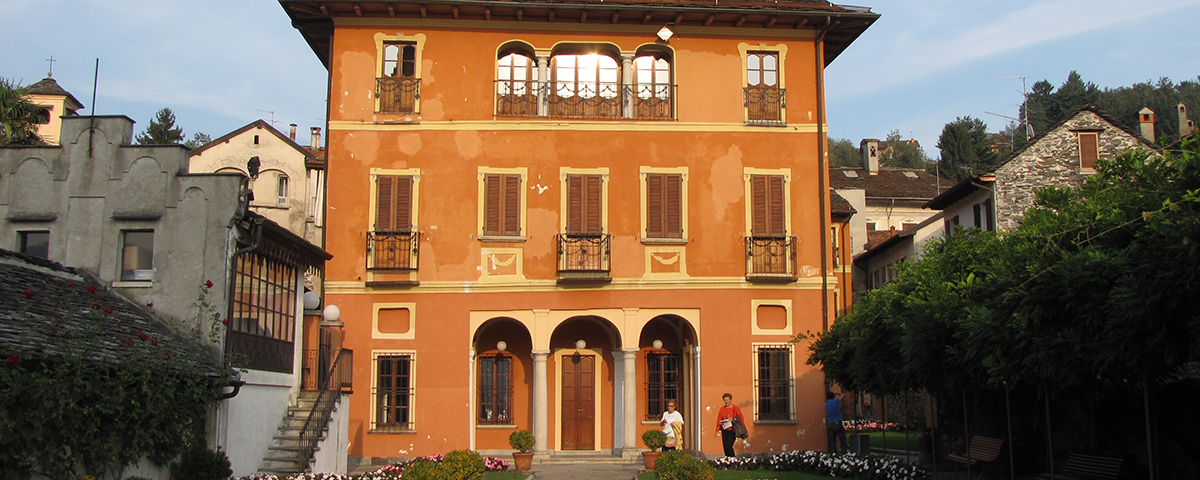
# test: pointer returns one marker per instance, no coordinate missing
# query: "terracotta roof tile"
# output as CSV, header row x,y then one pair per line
x,y
889,183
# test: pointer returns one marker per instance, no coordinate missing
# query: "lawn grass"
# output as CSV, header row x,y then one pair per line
x,y
895,441
505,475
750,475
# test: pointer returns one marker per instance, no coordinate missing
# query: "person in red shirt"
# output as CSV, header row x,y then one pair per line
x,y
725,423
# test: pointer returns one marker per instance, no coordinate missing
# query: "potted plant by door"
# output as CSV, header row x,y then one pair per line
x,y
522,442
654,440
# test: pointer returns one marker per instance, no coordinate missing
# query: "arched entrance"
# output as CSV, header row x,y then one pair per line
x,y
669,370
582,352
502,382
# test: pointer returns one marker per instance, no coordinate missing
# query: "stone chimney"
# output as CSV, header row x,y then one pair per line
x,y
292,132
869,148
1146,120
1186,125
316,138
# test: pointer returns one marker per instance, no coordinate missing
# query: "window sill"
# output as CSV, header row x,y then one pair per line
x,y
501,239
398,122
664,241
376,431
774,422
495,427
131,284
765,123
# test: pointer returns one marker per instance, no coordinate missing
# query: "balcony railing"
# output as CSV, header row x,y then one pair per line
x,y
586,254
652,102
397,94
765,105
771,258
517,98
396,251
603,101
569,100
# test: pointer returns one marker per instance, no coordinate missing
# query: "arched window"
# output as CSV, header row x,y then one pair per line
x,y
516,92
585,86
653,89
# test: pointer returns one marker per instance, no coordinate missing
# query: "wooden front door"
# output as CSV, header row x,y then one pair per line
x,y
579,402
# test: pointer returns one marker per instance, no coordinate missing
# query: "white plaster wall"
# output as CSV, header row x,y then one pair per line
x,y
331,456
857,198
248,421
965,209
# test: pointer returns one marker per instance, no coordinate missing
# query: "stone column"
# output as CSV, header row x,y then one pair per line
x,y
543,85
629,378
627,84
540,406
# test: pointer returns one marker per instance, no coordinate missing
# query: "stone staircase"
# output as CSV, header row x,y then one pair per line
x,y
567,457
283,456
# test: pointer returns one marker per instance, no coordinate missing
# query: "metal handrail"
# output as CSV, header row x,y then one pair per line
x,y
321,411
393,250
583,252
397,94
764,105
771,257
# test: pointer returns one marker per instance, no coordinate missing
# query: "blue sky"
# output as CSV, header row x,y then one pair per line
x,y
220,64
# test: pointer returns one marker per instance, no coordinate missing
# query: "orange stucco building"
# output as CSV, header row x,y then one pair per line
x,y
557,215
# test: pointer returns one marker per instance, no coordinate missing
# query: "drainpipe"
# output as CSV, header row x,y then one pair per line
x,y
822,171
699,399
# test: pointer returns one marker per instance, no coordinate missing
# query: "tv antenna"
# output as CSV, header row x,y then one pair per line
x,y
272,112
1017,120
1024,106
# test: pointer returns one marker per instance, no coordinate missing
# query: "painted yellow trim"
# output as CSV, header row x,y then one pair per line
x,y
412,381
683,191
486,257
412,321
399,37
787,307
682,259
648,30
565,125
523,172
791,376
787,195
781,50
373,188
599,397
563,172
618,284
541,323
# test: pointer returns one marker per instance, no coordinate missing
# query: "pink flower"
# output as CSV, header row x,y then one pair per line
x,y
70,284
28,293
14,360
91,289
208,284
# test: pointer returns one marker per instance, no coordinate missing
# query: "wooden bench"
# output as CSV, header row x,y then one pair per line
x,y
981,450
1087,466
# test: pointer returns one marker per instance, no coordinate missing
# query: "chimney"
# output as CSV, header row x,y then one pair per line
x,y
292,132
316,138
1186,125
870,155
1146,120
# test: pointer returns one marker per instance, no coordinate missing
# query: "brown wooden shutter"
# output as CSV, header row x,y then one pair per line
x,y
491,204
663,205
1089,150
574,204
393,203
655,224
673,208
512,205
593,193
767,195
584,196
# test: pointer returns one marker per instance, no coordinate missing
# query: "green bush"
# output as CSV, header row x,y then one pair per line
x,y
463,465
199,463
521,440
423,469
677,465
654,439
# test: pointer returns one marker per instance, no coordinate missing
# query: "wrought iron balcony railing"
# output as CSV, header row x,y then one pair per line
x,y
570,100
393,250
583,253
652,102
771,258
397,94
765,105
518,98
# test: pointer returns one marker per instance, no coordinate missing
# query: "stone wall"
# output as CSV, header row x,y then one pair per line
x,y
1052,161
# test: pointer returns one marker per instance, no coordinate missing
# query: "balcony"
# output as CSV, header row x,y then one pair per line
x,y
652,102
771,259
393,251
517,98
397,94
604,101
765,105
583,258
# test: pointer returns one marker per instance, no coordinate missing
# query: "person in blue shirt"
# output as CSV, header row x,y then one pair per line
x,y
833,418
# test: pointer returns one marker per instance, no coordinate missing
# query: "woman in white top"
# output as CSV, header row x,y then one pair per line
x,y
672,422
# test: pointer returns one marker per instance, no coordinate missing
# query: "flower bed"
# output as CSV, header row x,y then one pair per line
x,y
866,467
865,426
387,472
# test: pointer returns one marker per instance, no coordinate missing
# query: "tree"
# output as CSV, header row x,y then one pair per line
x,y
966,148
902,153
198,140
162,130
18,116
843,153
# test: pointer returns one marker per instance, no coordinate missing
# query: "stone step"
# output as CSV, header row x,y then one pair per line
x,y
559,458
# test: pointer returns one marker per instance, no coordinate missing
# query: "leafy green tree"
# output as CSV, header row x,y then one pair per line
x,y
18,116
901,153
843,153
966,148
198,140
162,130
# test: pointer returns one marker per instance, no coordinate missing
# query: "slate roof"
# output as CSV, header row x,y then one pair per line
x,y
839,205
898,183
46,311
47,86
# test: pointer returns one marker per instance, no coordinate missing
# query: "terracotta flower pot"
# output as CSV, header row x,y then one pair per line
x,y
523,461
650,458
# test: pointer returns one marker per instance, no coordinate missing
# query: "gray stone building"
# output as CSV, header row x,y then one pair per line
x,y
186,247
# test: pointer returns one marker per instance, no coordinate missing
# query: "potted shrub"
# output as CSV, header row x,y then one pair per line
x,y
654,440
522,442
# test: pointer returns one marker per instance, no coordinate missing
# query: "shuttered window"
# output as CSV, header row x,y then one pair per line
x,y
393,203
585,204
502,205
767,192
664,204
1089,150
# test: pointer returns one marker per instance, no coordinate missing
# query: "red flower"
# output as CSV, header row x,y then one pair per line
x,y
142,336
151,304
91,289
208,284
225,321
28,293
13,361
167,353
70,284
107,309
154,341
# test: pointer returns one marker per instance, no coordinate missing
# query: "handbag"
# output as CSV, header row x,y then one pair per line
x,y
670,442
739,430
